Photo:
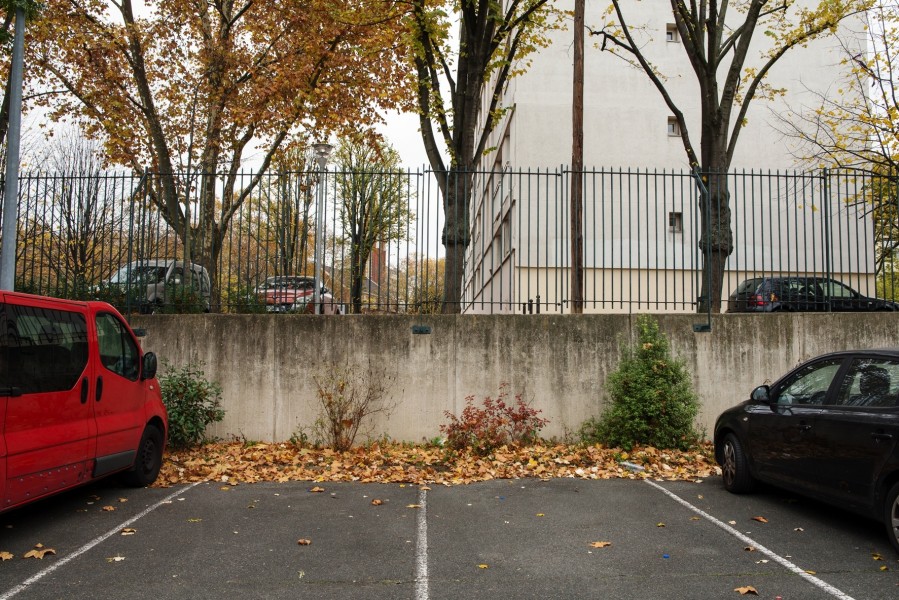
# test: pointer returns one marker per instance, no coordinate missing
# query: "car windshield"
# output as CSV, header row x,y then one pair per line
x,y
140,274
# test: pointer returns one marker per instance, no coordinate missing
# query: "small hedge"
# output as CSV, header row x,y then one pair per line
x,y
652,397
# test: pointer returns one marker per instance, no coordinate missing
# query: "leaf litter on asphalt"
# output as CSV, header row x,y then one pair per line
x,y
236,462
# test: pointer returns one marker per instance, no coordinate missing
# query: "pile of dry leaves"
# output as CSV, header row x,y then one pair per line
x,y
402,463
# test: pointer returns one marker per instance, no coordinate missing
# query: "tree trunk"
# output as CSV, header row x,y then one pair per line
x,y
456,237
357,275
716,240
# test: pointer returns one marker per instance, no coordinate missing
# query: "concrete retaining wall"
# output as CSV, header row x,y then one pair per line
x,y
266,363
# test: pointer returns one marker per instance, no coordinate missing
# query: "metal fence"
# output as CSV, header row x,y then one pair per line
x,y
377,237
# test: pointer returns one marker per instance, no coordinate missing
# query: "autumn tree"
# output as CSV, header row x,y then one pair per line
x,y
72,216
717,36
855,128
419,283
188,90
373,203
459,92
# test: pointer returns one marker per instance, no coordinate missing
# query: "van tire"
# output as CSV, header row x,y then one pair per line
x,y
148,460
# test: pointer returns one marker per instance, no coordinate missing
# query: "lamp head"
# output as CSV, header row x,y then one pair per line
x,y
322,151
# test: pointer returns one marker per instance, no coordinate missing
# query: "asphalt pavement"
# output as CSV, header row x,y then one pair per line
x,y
561,538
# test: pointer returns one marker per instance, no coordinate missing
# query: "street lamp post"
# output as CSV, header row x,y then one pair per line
x,y
321,151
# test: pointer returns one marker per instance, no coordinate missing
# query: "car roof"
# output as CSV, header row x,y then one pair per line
x,y
891,351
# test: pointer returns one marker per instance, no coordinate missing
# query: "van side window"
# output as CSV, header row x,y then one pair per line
x,y
45,349
118,352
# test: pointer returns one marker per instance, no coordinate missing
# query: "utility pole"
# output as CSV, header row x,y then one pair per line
x,y
11,190
577,165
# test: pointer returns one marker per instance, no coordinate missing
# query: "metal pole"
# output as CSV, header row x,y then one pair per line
x,y
11,191
577,165
322,152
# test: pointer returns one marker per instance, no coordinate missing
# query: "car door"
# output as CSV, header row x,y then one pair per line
x,y
843,298
782,435
48,427
857,431
119,395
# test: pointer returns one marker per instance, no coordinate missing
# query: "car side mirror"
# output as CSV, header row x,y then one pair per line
x,y
150,364
761,395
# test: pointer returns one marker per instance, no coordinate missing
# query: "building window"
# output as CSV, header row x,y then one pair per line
x,y
671,34
675,222
673,127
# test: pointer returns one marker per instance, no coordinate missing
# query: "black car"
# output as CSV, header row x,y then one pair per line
x,y
772,294
828,429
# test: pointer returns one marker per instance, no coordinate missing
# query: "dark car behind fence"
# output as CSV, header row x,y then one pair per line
x,y
643,236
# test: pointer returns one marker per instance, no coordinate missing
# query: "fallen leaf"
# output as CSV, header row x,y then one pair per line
x,y
304,542
540,515
377,502
884,568
129,531
225,488
731,522
39,552
660,524
694,518
799,529
810,572
760,519
123,499
876,556
600,544
6,556
194,520
483,566
747,589
115,559
413,506
749,548
317,490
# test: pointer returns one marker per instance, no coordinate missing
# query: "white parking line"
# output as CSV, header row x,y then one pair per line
x,y
421,548
823,585
43,573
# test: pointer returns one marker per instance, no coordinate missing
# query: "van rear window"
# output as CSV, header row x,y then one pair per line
x,y
41,350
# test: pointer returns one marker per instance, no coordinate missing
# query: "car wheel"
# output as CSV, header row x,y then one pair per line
x,y
891,515
148,461
735,466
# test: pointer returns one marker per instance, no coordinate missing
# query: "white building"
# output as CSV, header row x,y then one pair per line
x,y
641,228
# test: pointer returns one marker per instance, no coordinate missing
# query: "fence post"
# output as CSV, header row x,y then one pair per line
x,y
828,245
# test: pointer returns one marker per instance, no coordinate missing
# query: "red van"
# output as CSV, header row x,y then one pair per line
x,y
79,400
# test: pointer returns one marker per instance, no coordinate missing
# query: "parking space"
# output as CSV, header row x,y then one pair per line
x,y
514,538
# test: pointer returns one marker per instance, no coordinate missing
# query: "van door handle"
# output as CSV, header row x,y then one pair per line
x,y
99,392
84,385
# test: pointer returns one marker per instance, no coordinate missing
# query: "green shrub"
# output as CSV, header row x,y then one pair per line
x,y
192,402
243,300
652,397
498,423
182,299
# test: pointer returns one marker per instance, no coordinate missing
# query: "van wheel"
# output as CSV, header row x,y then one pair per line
x,y
891,515
148,460
735,466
